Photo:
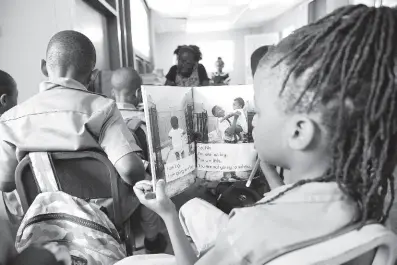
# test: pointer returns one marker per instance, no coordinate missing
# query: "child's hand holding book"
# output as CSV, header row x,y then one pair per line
x,y
157,200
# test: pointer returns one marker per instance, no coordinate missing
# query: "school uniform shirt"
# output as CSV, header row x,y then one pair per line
x,y
255,235
64,116
177,139
242,120
129,111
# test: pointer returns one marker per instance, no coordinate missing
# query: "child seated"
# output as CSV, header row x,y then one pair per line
x,y
126,82
326,110
241,119
176,135
65,116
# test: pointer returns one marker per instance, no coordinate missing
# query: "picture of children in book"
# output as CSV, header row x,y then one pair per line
x,y
232,127
171,130
230,122
223,124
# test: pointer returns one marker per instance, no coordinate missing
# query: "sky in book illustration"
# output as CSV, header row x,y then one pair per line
x,y
223,96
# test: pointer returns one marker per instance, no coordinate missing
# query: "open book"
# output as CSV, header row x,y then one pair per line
x,y
203,132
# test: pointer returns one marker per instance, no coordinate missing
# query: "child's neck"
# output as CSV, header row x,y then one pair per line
x,y
310,169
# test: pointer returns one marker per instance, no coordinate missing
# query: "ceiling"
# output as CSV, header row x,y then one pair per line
x,y
215,15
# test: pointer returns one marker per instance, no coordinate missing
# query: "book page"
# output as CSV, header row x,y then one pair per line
x,y
169,117
223,127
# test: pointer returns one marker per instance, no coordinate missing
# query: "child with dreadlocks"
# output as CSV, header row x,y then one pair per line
x,y
326,110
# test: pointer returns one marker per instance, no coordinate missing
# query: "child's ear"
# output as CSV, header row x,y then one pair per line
x,y
3,100
302,132
44,67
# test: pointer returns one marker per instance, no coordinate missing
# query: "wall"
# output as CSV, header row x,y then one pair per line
x,y
26,26
166,43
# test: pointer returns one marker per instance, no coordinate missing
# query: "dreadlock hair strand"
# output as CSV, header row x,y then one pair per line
x,y
351,54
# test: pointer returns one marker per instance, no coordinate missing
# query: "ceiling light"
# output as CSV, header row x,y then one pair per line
x,y
209,11
195,27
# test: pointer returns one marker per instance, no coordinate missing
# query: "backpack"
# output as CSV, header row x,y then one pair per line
x,y
137,128
55,216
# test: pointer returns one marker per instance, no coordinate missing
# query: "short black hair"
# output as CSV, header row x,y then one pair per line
x,y
214,110
240,101
174,122
126,78
256,57
71,48
189,48
7,84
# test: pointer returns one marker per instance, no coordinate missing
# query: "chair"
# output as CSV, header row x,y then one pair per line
x,y
354,247
97,179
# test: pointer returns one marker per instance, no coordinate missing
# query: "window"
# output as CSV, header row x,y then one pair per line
x,y
140,28
211,50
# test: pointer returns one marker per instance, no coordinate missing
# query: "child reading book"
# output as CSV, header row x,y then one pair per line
x,y
241,124
176,135
326,109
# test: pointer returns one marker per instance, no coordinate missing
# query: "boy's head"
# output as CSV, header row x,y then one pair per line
x,y
326,103
174,122
70,54
126,82
8,92
218,112
238,103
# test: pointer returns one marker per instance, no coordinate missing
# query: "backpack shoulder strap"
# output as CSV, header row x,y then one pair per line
x,y
43,171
